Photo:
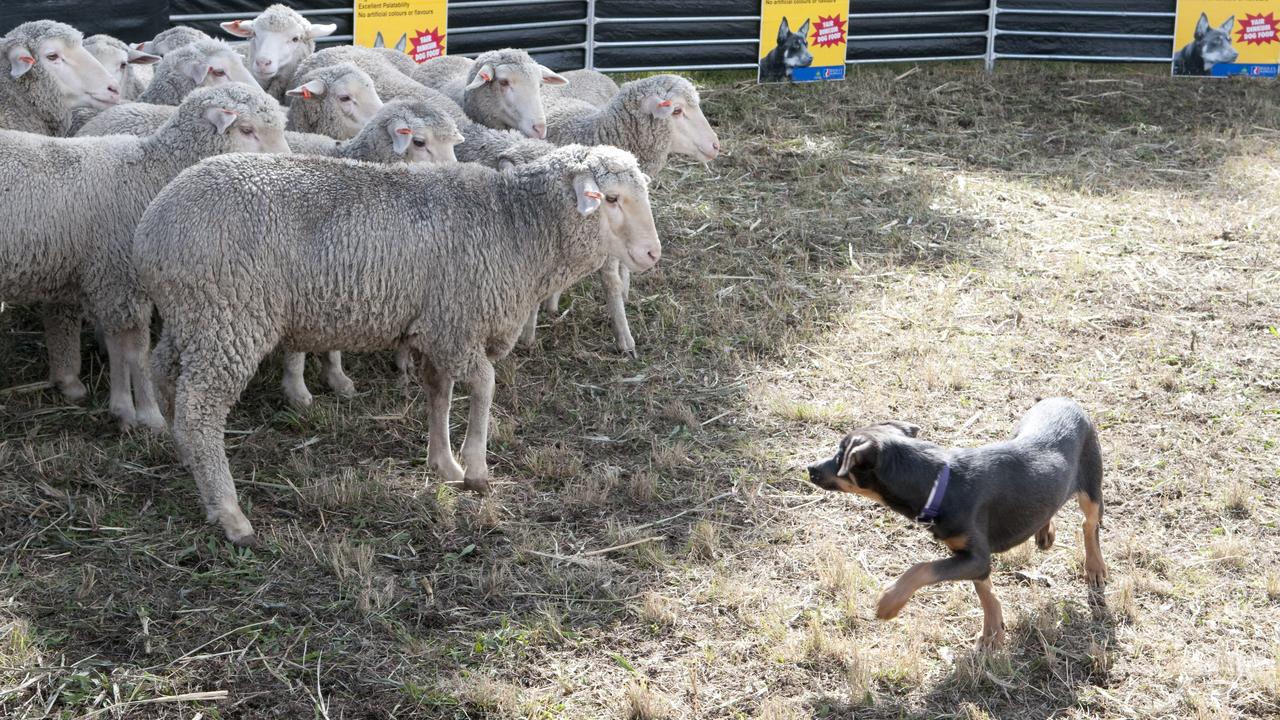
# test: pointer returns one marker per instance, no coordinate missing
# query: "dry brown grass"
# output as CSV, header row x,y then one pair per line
x,y
940,246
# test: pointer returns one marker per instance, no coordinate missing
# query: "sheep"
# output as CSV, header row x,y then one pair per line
x,y
408,131
651,117
483,145
337,100
205,63
279,39
133,118
587,85
66,237
130,69
500,89
45,74
445,260
172,39
304,143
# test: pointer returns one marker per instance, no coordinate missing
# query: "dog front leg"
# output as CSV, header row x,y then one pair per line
x,y
964,565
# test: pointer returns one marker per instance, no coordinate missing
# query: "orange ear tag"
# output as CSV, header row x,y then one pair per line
x,y
404,131
27,59
306,94
593,194
665,103
485,76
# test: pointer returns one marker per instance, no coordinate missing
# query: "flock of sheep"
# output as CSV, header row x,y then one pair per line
x,y
427,209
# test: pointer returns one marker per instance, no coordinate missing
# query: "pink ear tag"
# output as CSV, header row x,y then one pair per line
x,y
665,103
485,76
306,94
27,59
404,131
593,194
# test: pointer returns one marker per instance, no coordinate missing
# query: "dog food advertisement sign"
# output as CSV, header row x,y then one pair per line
x,y
802,40
1218,38
414,27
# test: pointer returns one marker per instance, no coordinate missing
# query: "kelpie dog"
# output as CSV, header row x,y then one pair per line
x,y
980,501
1211,46
792,52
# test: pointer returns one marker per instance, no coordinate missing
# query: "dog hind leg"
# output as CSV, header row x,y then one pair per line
x,y
1045,536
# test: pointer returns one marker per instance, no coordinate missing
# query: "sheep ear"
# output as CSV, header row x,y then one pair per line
x,y
458,137
20,61
320,30
308,90
239,28
221,118
588,193
140,57
483,75
197,72
550,77
658,107
401,135
860,452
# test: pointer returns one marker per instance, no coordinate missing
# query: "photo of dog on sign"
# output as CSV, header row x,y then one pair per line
x,y
1222,38
809,51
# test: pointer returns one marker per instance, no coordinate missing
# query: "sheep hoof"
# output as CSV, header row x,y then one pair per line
x,y
342,385
249,541
480,486
154,422
299,398
72,390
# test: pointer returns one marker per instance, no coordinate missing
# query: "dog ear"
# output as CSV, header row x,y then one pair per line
x,y
783,31
909,429
860,451
1202,26
804,30
1229,25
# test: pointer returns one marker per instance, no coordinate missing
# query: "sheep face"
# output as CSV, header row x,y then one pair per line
x,y
172,39
116,57
218,68
279,39
615,189
350,99
60,56
513,92
691,133
427,138
244,117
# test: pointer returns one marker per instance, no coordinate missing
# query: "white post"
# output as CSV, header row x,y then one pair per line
x,y
992,10
591,35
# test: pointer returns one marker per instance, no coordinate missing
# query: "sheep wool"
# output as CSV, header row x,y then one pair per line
x,y
204,63
447,260
67,236
590,86
172,39
335,100
129,67
35,101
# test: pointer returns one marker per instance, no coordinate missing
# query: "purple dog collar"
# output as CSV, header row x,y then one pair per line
x,y
934,503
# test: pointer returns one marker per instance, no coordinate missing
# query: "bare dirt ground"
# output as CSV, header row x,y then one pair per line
x,y
932,244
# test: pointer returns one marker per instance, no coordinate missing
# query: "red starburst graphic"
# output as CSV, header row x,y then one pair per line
x,y
1258,29
427,44
829,31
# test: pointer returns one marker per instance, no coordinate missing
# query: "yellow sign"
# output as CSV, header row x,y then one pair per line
x,y
802,40
414,27
1227,37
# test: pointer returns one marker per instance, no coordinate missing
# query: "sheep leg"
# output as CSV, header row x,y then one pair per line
x,y
552,303
611,279
530,328
136,345
292,382
439,450
475,445
337,379
164,370
62,340
121,403
404,365
625,274
204,397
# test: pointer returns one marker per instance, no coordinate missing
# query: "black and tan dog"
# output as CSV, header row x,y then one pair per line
x,y
977,501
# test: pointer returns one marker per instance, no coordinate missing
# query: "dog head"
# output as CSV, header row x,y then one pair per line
x,y
794,46
1215,42
853,468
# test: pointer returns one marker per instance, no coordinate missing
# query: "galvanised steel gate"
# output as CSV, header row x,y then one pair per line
x,y
637,35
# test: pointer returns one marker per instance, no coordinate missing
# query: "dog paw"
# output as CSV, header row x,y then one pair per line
x,y
889,606
991,641
1095,574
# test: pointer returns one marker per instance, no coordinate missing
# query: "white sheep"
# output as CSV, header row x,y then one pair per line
x,y
337,100
169,40
652,118
484,145
447,260
500,89
45,75
66,236
204,63
279,39
130,68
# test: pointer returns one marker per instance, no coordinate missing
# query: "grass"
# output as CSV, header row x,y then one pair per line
x,y
933,244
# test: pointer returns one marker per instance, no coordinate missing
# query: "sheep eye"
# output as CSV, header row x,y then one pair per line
x,y
419,143
504,82
611,198
295,38
678,112
51,57
218,73
246,131
124,65
344,98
